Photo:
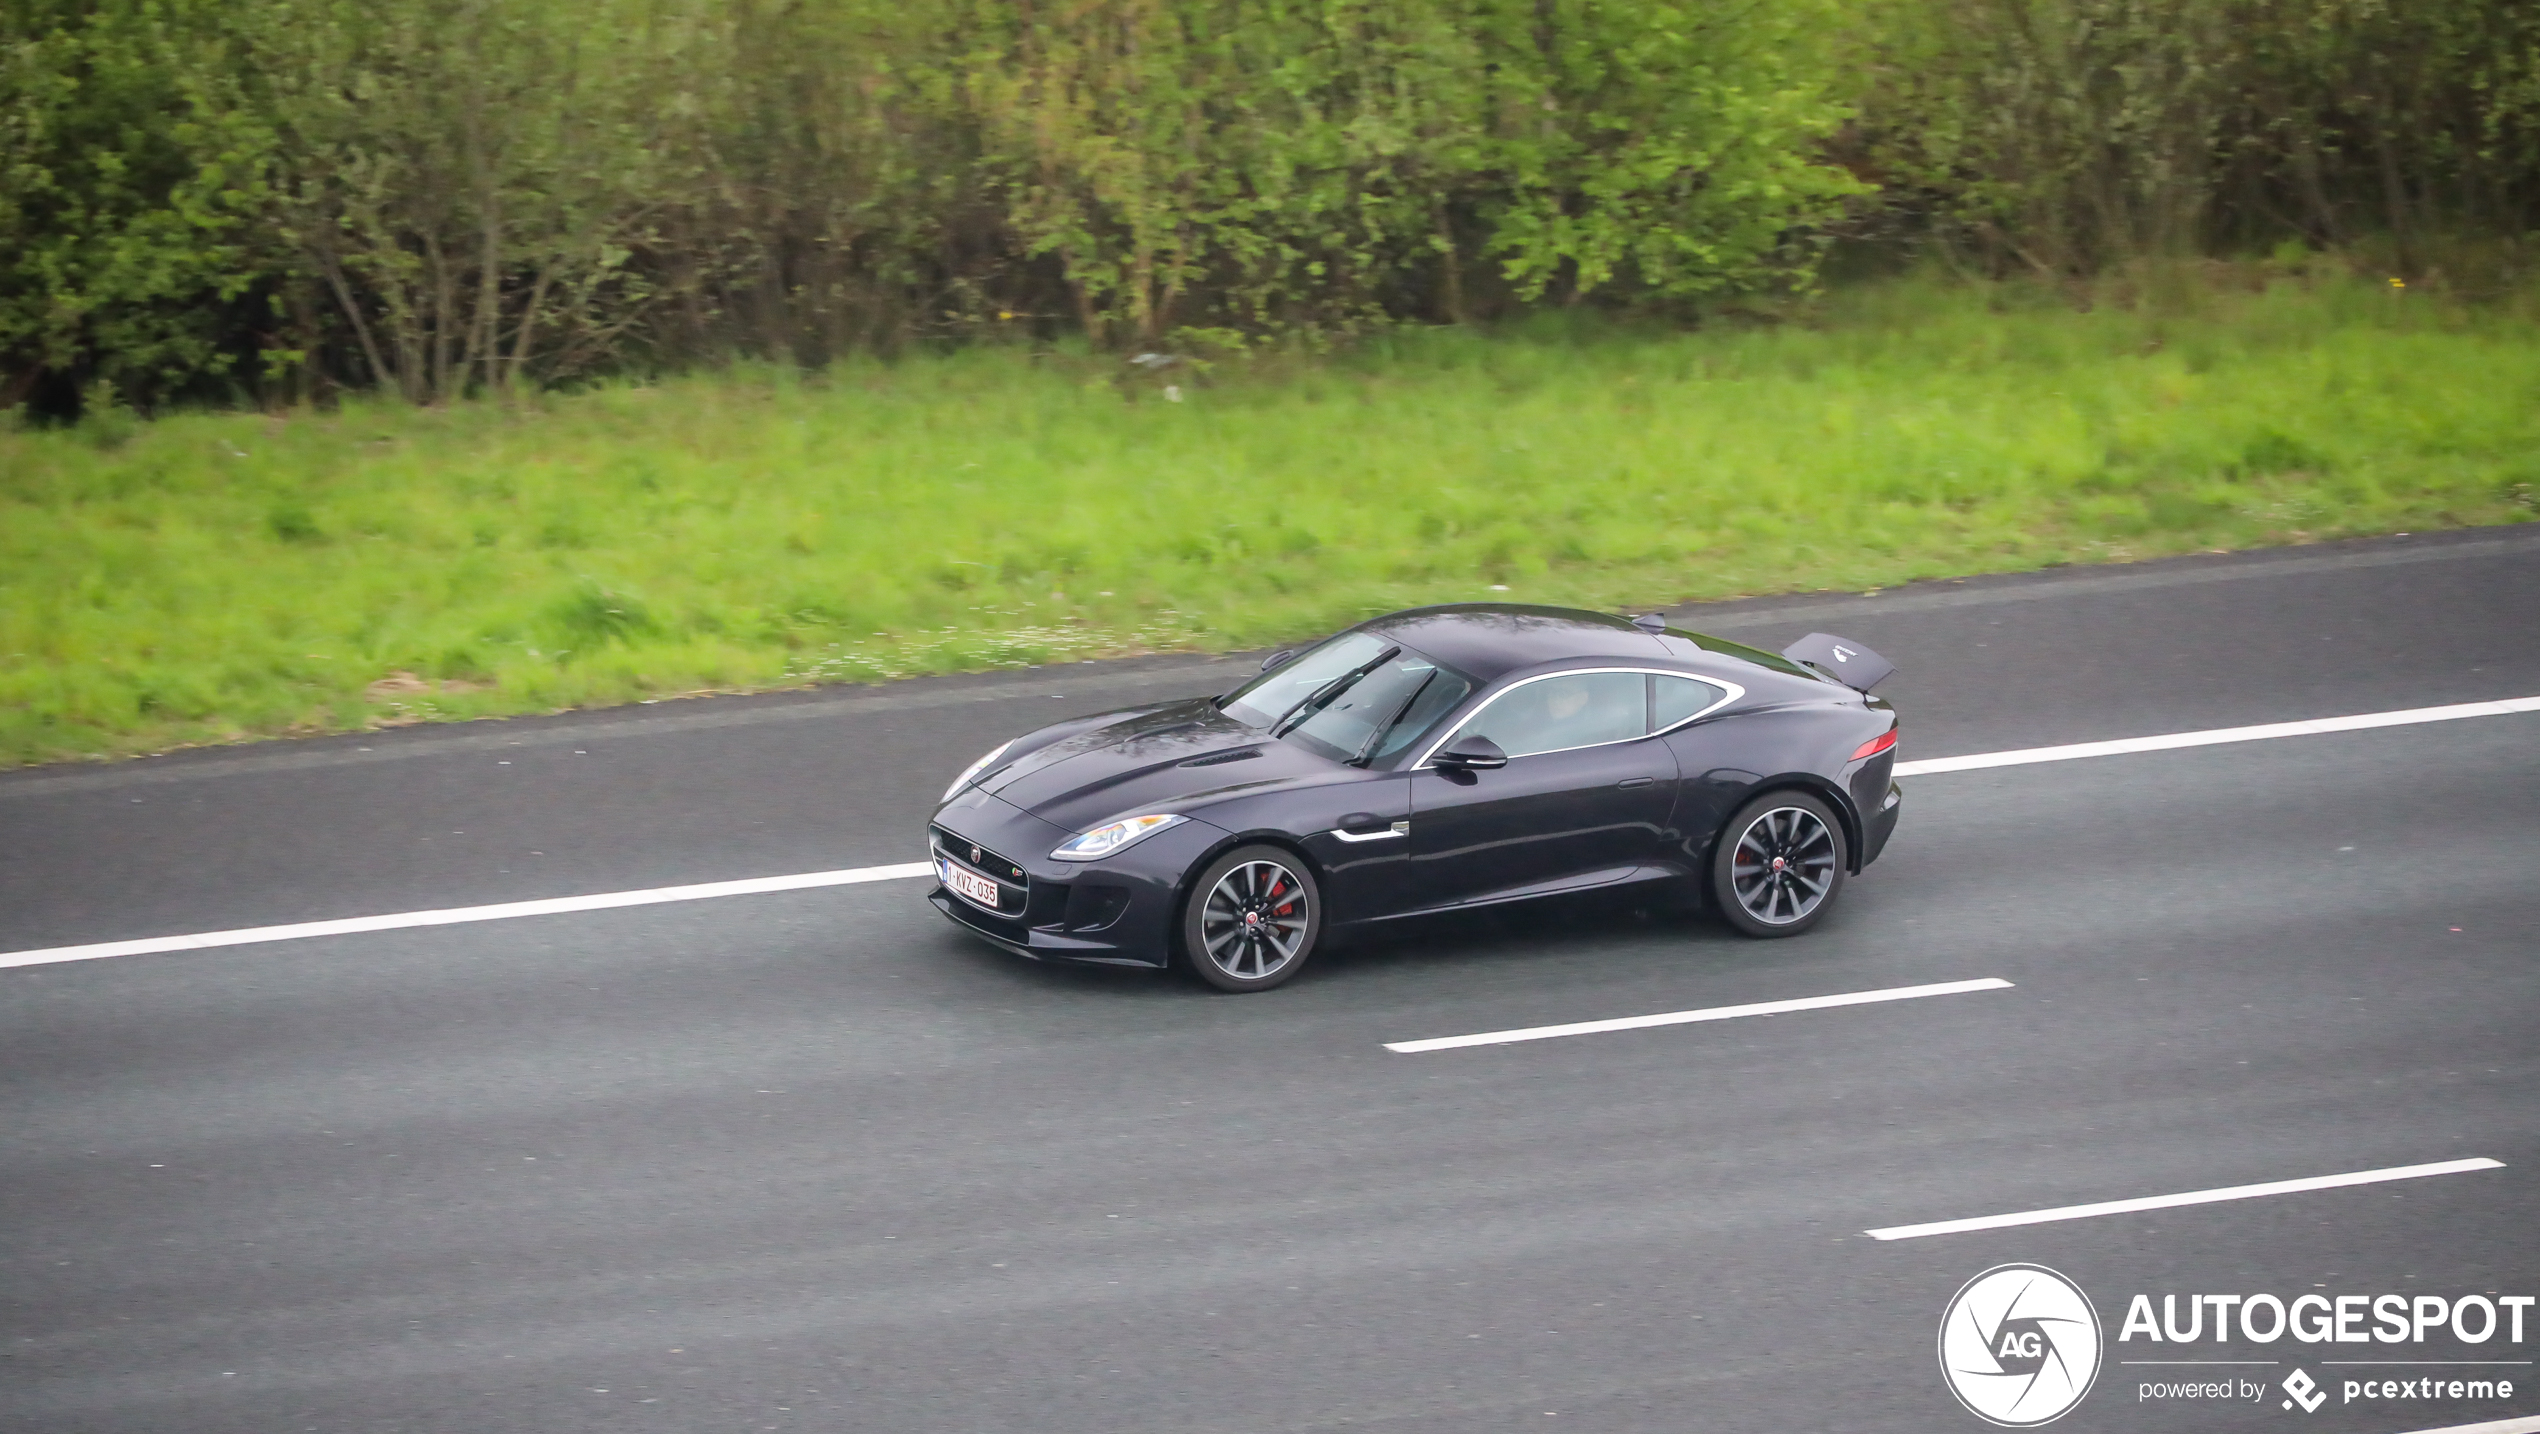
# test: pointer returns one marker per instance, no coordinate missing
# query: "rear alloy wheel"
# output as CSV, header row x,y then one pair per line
x,y
1252,919
1779,865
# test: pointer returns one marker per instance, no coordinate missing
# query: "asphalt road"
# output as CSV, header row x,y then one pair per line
x,y
816,1161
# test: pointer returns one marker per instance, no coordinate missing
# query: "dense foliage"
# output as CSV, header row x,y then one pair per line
x,y
432,197
2062,136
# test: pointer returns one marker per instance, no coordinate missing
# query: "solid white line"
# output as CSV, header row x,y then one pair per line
x,y
2191,1197
1931,766
1686,1018
2493,1426
504,911
604,900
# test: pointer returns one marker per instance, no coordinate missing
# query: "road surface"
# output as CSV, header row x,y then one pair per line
x,y
814,1160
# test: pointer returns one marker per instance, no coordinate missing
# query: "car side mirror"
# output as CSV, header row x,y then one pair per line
x,y
1274,659
1473,753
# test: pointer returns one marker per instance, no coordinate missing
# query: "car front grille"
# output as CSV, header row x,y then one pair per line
x,y
1014,885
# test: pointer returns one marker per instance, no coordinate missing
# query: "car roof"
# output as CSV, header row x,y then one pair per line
x,y
1487,640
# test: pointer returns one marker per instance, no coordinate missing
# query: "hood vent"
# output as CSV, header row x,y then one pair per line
x,y
1219,759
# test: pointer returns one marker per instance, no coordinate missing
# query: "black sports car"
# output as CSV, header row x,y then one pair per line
x,y
1435,759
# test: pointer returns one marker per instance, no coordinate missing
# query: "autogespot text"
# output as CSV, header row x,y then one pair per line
x,y
2483,1332
2329,1319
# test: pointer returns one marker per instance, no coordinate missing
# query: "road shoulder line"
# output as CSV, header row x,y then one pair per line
x,y
2360,722
457,915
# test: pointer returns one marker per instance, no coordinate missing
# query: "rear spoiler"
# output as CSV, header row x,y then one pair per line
x,y
1842,659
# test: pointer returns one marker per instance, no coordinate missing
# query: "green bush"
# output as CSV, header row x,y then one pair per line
x,y
288,200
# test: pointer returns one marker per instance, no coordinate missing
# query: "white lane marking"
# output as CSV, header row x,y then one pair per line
x,y
2492,1426
1686,1018
1931,766
604,900
503,911
2190,1197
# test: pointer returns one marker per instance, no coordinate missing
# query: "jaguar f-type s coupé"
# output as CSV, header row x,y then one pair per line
x,y
1430,760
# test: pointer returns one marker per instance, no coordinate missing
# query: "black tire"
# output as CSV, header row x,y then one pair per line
x,y
1779,865
1251,919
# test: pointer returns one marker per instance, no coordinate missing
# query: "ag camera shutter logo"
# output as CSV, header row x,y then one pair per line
x,y
2019,1346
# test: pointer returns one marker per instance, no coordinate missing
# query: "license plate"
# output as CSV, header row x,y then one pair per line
x,y
978,888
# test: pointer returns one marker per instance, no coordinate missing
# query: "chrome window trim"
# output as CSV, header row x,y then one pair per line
x,y
1733,692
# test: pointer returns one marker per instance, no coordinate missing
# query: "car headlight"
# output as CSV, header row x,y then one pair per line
x,y
1103,840
974,769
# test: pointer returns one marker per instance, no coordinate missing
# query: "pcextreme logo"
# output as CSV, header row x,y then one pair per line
x,y
2019,1346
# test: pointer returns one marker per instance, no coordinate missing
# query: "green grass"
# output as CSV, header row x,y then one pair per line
x,y
210,577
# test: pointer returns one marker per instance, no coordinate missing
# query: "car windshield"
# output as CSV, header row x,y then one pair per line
x,y
1278,692
1356,698
1385,711
1382,712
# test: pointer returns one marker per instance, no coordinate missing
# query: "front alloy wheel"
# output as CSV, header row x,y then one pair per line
x,y
1252,919
1780,861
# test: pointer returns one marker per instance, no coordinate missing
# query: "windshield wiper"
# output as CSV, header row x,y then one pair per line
x,y
1377,732
1325,695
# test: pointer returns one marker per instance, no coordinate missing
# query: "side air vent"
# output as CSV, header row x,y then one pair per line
x,y
1219,759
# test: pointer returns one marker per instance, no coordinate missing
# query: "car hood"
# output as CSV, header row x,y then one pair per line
x,y
1179,757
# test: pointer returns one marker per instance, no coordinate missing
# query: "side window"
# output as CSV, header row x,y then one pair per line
x,y
1673,699
1561,712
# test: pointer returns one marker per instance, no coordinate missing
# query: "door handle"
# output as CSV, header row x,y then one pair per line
x,y
1628,783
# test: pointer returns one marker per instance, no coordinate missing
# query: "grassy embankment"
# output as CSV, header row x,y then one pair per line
x,y
206,577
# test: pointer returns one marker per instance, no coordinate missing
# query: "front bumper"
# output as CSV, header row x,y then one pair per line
x,y
1118,911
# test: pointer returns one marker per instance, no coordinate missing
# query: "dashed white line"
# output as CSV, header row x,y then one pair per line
x,y
2190,1197
601,901
1686,1018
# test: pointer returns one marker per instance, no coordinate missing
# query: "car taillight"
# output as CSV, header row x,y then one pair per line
x,y
1875,745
